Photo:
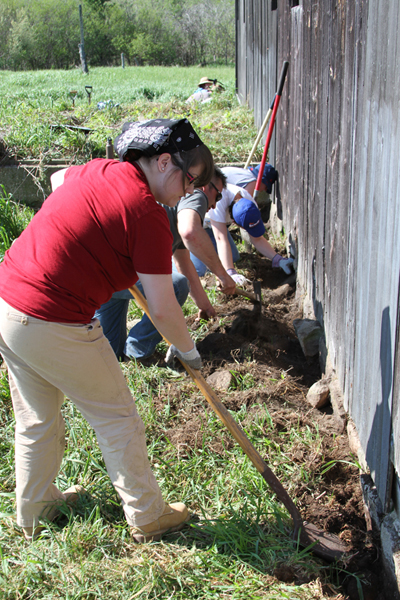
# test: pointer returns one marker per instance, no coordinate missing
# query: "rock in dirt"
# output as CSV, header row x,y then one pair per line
x,y
337,399
309,332
355,445
220,379
276,296
318,394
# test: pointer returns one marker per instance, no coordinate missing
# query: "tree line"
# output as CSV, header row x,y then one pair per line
x,y
44,34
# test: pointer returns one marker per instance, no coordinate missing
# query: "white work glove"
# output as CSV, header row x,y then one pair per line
x,y
191,358
238,279
278,262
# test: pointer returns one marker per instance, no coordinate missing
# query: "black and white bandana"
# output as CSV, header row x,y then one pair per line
x,y
157,136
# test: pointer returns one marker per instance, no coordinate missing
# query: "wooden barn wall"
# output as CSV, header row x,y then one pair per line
x,y
336,146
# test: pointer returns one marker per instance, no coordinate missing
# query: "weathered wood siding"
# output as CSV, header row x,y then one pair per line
x,y
336,146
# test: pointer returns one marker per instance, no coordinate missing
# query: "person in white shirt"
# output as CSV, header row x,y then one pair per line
x,y
237,206
203,92
247,178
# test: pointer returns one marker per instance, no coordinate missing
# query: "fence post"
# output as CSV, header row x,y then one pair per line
x,y
81,45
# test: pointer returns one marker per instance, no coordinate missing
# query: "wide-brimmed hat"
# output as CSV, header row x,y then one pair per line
x,y
247,215
156,136
205,80
269,177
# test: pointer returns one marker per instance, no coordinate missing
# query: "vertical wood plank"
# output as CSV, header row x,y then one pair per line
x,y
336,147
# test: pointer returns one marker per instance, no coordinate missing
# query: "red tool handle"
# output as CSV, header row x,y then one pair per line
x,y
271,127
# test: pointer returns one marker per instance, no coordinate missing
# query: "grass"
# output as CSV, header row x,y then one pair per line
x,y
238,536
109,83
36,106
13,220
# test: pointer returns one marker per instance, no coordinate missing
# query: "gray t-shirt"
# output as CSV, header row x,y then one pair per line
x,y
198,202
237,176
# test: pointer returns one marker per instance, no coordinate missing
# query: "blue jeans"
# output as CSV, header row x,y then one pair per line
x,y
200,266
143,337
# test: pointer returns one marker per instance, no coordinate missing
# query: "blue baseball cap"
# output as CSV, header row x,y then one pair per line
x,y
247,215
269,177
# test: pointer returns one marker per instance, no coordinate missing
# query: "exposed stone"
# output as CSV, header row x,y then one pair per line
x,y
355,445
318,394
389,528
276,296
28,181
337,398
390,540
309,332
372,505
328,424
220,379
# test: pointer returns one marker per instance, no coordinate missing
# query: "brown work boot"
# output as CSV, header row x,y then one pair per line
x,y
52,510
30,534
173,519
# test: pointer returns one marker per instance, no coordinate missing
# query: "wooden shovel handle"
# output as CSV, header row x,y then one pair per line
x,y
235,429
240,292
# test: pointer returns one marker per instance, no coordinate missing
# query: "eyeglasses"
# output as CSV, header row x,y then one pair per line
x,y
190,177
219,194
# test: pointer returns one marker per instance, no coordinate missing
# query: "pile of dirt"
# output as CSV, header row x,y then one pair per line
x,y
260,342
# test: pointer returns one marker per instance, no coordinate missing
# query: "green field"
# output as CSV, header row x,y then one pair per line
x,y
33,106
120,85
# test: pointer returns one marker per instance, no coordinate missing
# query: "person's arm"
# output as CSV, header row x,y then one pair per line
x,y
165,311
198,243
224,250
263,246
187,268
57,178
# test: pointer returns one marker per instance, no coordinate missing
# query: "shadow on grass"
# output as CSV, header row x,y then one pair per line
x,y
260,540
255,542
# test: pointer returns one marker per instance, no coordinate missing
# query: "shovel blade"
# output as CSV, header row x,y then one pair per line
x,y
257,290
325,545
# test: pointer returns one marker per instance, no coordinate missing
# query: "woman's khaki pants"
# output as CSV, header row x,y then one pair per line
x,y
47,361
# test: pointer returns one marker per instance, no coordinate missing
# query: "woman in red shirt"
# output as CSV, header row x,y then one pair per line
x,y
96,234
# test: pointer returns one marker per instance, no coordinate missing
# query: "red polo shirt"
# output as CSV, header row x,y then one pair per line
x,y
89,239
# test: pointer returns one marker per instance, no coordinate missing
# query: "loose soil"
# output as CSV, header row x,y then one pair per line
x,y
261,341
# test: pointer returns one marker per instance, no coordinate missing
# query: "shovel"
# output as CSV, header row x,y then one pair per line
x,y
255,295
322,544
